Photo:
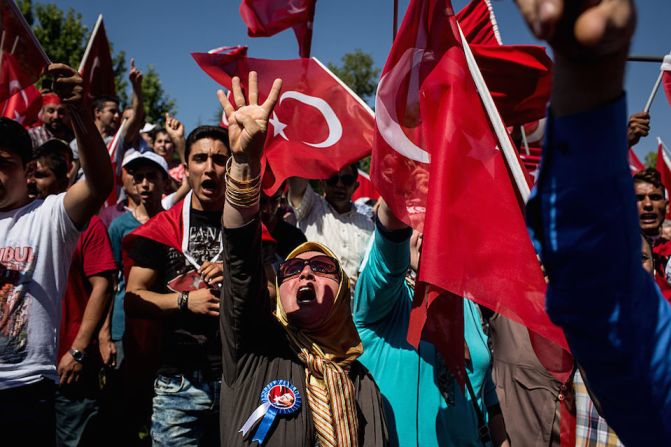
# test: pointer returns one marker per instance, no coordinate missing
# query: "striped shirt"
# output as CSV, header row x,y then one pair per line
x,y
591,429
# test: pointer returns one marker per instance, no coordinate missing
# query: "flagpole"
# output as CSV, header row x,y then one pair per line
x,y
497,123
395,30
524,140
648,104
90,43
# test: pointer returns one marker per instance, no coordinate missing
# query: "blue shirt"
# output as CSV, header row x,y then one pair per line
x,y
117,230
415,409
583,219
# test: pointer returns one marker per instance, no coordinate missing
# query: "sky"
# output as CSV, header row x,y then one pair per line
x,y
165,33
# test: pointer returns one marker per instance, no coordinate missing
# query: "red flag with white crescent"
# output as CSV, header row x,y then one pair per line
x,y
16,38
366,189
96,67
432,163
318,125
266,18
25,102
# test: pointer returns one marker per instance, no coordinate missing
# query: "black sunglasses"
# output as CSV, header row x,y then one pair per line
x,y
347,180
321,265
138,177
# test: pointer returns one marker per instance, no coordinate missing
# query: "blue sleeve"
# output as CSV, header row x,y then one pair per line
x,y
583,221
381,284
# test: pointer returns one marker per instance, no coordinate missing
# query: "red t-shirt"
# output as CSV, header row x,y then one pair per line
x,y
92,256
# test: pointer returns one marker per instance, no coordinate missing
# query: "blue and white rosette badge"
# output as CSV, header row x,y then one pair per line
x,y
278,397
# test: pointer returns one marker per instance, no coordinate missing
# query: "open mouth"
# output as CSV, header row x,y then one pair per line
x,y
648,217
208,186
306,294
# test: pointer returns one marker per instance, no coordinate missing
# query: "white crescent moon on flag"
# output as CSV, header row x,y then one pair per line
x,y
96,64
332,121
385,107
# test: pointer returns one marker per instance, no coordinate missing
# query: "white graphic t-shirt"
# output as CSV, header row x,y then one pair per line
x,y
36,244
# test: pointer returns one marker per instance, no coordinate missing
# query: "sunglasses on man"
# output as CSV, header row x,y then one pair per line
x,y
347,180
321,265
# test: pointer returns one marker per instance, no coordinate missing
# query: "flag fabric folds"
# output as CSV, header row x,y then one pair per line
x,y
17,39
478,23
441,171
664,168
266,18
318,125
635,164
96,68
666,76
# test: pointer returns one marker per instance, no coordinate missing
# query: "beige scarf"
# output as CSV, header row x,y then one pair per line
x,y
327,353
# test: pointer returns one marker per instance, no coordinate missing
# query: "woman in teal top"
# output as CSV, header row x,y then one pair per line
x,y
424,404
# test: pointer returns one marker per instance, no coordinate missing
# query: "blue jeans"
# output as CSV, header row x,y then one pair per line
x,y
185,411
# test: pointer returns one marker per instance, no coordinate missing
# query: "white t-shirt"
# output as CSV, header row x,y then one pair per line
x,y
36,245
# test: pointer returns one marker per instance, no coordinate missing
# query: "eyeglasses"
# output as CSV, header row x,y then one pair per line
x,y
321,265
347,180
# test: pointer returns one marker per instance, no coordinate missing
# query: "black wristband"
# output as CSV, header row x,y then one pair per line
x,y
183,301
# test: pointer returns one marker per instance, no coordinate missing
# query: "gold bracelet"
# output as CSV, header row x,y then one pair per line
x,y
240,183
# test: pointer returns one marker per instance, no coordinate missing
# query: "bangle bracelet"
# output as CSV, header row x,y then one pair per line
x,y
183,301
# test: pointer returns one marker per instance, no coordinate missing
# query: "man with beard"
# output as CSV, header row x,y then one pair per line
x,y
54,122
175,273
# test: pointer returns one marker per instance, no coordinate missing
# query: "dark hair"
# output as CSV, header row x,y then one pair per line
x,y
355,168
202,132
14,138
651,176
55,160
99,102
58,146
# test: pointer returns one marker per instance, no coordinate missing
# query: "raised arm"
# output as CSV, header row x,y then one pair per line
x,y
247,126
84,198
381,285
175,130
135,123
615,320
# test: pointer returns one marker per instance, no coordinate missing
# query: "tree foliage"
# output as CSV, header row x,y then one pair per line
x,y
651,159
358,71
64,37
156,102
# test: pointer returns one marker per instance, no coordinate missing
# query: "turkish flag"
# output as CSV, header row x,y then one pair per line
x,y
24,104
635,164
366,188
441,171
96,67
18,39
519,77
478,23
266,18
318,125
666,76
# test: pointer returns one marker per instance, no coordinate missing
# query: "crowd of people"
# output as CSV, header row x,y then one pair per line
x,y
161,297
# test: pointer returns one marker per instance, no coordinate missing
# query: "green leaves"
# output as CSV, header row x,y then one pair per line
x,y
358,72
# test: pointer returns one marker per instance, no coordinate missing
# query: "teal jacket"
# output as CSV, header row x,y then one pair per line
x,y
415,409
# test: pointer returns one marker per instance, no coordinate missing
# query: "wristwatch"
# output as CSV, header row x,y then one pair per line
x,y
78,355
183,301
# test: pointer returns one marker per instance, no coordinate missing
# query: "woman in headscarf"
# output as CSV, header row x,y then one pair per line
x,y
291,377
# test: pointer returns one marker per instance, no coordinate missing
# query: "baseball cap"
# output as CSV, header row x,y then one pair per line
x,y
133,156
148,127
